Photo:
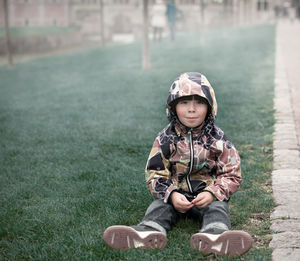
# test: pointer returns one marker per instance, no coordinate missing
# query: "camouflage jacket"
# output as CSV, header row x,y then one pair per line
x,y
191,161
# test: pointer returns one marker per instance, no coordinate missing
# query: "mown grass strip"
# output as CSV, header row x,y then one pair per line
x,y
18,32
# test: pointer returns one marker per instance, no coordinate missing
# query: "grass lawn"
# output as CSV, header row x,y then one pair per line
x,y
76,130
17,32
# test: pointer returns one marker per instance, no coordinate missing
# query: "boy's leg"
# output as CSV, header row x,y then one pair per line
x,y
160,216
149,233
215,236
216,218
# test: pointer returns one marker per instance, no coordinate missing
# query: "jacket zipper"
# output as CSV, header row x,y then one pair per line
x,y
190,137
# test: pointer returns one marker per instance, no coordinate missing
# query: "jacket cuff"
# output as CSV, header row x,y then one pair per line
x,y
206,190
215,192
169,191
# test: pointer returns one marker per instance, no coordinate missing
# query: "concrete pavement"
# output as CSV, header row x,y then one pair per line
x,y
286,174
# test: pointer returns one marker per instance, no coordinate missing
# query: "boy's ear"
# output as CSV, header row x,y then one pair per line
x,y
208,110
173,107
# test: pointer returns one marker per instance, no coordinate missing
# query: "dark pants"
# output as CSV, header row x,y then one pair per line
x,y
157,33
162,216
172,30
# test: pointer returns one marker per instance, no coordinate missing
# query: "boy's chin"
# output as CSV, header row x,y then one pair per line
x,y
193,125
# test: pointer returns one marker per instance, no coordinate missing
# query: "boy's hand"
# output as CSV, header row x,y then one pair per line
x,y
180,202
203,199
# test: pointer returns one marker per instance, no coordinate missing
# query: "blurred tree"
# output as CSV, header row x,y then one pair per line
x,y
228,11
247,11
145,62
102,23
7,33
202,10
296,5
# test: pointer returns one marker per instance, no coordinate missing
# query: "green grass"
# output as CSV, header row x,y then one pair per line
x,y
76,130
18,32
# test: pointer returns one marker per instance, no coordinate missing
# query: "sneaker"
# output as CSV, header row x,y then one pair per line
x,y
124,237
230,243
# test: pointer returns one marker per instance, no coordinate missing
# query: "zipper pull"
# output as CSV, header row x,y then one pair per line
x,y
191,160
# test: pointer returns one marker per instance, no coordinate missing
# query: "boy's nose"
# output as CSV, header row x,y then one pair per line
x,y
192,106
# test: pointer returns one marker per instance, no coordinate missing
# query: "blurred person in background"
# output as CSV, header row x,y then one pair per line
x,y
172,16
158,20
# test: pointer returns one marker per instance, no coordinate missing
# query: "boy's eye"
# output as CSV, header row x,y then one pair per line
x,y
183,102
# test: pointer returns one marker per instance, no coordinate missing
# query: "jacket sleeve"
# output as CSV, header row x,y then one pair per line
x,y
228,171
157,172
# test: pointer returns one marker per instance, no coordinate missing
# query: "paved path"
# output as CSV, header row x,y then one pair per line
x,y
286,173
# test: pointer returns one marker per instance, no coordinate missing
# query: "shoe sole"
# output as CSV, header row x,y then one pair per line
x,y
124,237
230,243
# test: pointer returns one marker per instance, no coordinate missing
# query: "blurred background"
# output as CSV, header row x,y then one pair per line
x,y
38,26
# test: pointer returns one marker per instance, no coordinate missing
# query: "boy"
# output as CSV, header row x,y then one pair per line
x,y
192,171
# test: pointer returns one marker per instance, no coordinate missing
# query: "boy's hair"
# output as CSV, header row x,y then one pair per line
x,y
190,97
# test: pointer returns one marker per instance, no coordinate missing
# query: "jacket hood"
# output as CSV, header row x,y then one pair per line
x,y
187,84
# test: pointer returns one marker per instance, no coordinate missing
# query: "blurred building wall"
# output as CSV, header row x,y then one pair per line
x,y
37,13
125,16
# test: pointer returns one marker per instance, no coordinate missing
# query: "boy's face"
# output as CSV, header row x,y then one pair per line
x,y
191,111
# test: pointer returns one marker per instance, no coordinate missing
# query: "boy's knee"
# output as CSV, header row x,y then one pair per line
x,y
158,204
220,205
